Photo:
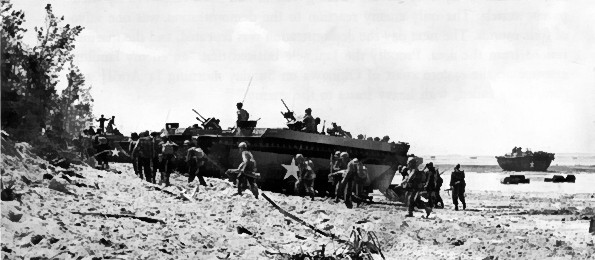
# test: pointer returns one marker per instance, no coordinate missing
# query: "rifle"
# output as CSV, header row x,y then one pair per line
x,y
289,114
448,190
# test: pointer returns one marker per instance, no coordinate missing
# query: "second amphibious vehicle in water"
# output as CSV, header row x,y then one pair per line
x,y
526,161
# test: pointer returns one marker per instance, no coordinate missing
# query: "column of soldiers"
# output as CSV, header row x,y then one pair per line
x,y
422,187
152,153
348,178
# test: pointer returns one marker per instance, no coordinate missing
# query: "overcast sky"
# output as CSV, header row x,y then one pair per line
x,y
449,77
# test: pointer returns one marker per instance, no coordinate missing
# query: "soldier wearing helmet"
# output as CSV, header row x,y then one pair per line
x,y
195,158
415,185
355,177
246,174
457,185
143,152
309,122
339,171
233,173
306,176
242,113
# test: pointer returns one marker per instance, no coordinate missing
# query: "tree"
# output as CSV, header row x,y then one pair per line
x,y
14,56
29,76
76,102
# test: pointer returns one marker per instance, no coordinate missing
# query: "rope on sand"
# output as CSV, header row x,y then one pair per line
x,y
289,215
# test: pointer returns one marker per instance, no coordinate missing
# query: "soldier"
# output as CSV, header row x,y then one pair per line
x,y
144,152
457,185
339,170
233,174
306,176
103,152
246,174
430,185
168,155
415,185
156,156
403,171
359,181
352,174
242,114
133,141
309,122
439,203
195,159
110,125
101,121
86,144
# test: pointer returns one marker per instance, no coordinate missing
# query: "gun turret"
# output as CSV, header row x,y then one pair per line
x,y
289,114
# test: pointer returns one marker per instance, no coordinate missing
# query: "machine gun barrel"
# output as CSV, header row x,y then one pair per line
x,y
203,118
289,114
285,106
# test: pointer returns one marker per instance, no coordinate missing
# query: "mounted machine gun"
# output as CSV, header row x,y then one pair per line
x,y
292,122
208,123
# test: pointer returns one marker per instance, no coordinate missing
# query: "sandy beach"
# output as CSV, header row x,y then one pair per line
x,y
46,223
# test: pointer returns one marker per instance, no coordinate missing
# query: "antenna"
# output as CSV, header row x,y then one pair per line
x,y
247,89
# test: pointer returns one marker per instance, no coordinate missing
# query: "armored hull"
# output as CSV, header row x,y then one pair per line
x,y
538,161
274,150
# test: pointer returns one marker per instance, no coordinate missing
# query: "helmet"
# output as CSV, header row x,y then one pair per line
x,y
242,145
299,158
187,142
338,153
344,155
199,153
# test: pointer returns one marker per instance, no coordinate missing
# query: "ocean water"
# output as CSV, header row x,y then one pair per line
x,y
485,160
484,174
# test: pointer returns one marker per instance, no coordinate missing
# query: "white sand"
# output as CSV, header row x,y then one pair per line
x,y
499,225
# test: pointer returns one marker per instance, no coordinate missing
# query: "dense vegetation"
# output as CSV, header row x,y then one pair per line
x,y
29,76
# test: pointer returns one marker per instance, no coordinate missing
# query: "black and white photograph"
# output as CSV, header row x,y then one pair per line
x,y
297,129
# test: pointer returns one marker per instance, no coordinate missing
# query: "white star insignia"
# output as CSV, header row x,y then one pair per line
x,y
115,152
292,170
532,164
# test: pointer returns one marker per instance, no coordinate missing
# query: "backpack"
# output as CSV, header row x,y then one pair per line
x,y
309,173
145,147
363,174
168,148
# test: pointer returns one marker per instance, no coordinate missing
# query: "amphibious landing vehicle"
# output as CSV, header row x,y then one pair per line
x,y
526,161
275,148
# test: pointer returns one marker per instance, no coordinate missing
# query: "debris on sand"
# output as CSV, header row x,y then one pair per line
x,y
121,216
